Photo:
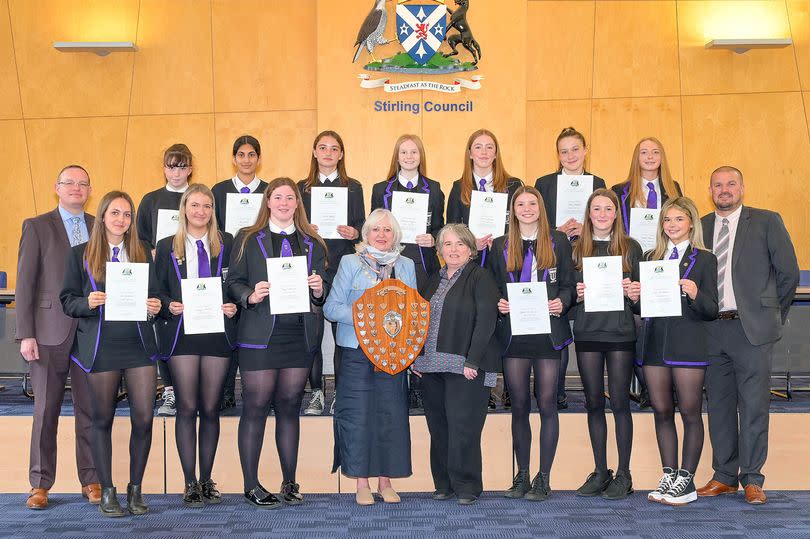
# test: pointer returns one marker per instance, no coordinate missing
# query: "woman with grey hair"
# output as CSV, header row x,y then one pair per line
x,y
460,364
372,432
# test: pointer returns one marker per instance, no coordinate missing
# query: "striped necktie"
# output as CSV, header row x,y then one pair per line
x,y
721,252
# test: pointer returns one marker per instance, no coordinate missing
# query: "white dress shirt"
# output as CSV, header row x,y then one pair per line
x,y
489,186
404,181
330,178
728,299
682,247
122,253
645,192
252,185
192,264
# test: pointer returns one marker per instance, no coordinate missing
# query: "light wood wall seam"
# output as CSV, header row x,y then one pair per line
x,y
129,110
798,70
682,179
593,83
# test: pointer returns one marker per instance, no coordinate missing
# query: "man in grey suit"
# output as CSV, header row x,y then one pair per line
x,y
46,334
757,278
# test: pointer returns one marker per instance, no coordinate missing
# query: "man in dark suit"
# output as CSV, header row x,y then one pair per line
x,y
757,278
46,334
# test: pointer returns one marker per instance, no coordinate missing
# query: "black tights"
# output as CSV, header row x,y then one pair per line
x,y
316,374
283,388
141,395
592,371
198,388
516,375
689,385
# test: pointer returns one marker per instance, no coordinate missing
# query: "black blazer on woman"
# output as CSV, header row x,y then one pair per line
x,y
547,185
170,272
336,248
681,340
457,212
77,285
469,315
221,190
622,191
559,283
608,326
255,320
424,258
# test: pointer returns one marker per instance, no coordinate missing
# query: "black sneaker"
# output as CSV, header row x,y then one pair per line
x,y
620,487
682,490
262,499
520,485
540,488
415,405
192,495
505,399
290,493
562,403
644,400
663,485
228,401
491,406
210,494
595,484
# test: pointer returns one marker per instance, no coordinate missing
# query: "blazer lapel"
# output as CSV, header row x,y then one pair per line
x,y
742,231
59,228
708,231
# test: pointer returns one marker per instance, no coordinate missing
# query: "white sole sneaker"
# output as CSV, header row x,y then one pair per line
x,y
655,496
680,500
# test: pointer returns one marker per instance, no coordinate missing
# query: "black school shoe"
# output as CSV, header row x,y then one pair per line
x,y
210,494
109,506
467,499
442,495
290,494
192,495
620,487
262,499
595,484
520,485
540,490
135,503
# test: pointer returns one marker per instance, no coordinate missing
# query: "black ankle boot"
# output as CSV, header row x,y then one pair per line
x,y
520,485
540,488
135,500
109,506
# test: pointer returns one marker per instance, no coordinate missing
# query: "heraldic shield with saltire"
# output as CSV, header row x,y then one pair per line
x,y
421,29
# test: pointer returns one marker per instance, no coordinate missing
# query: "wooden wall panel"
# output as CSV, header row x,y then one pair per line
x,y
173,63
264,55
618,125
544,121
765,136
559,54
15,192
149,136
706,71
635,49
10,106
56,84
799,17
95,143
286,139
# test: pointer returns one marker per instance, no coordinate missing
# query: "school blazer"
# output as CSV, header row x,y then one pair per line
x,y
170,272
220,192
684,336
547,185
77,285
622,191
469,316
458,212
256,322
559,282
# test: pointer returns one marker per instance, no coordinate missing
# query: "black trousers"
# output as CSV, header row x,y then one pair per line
x,y
738,396
455,410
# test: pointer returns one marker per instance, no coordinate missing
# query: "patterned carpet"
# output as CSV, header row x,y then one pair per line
x,y
785,515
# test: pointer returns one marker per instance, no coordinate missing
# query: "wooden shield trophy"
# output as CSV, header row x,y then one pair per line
x,y
391,323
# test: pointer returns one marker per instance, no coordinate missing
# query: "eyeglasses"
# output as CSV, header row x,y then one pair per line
x,y
81,185
178,167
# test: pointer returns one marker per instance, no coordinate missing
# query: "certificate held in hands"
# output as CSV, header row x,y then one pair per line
x,y
202,305
602,276
241,210
572,197
644,226
126,285
411,211
330,209
167,223
660,291
289,291
488,213
528,308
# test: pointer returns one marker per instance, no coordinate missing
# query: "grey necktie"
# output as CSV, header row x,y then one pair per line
x,y
721,252
76,233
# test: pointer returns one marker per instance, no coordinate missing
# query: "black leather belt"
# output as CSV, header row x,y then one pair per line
x,y
728,315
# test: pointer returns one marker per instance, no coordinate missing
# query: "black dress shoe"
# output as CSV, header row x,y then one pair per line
x,y
259,497
442,495
210,494
290,494
467,499
135,500
109,506
192,495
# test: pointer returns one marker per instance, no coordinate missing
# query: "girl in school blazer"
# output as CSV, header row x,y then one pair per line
x,y
108,350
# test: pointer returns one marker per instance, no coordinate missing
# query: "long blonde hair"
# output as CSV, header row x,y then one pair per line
x,y
97,252
619,240
545,250
634,175
686,206
299,217
393,168
179,241
500,177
